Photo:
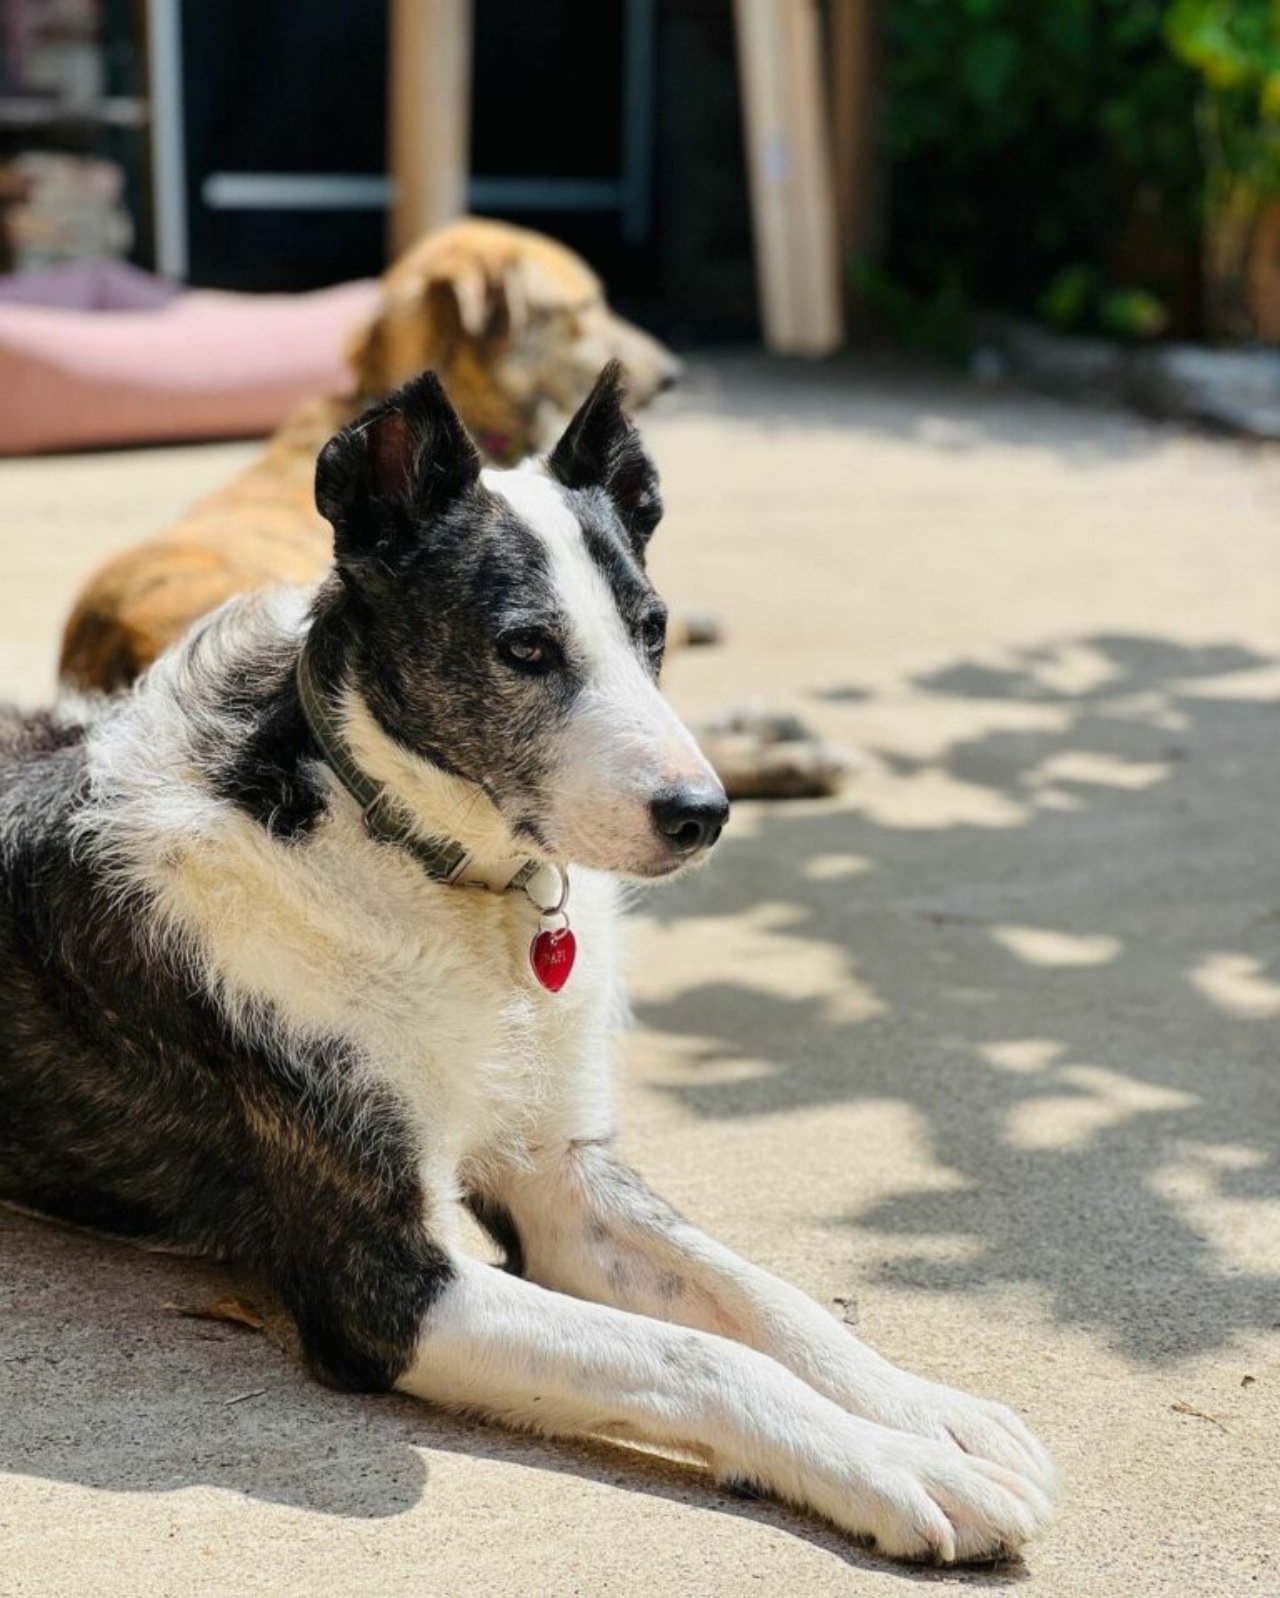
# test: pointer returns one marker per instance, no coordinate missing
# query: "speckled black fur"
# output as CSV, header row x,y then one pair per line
x,y
269,771
130,1106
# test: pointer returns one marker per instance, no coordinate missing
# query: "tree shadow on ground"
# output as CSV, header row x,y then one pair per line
x,y
1076,993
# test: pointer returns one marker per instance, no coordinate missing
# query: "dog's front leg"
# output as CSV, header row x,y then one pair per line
x,y
590,1226
509,1349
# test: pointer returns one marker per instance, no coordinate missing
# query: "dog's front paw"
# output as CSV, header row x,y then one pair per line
x,y
915,1498
948,1507
977,1426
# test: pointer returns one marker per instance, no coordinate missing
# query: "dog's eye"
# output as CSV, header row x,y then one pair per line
x,y
530,650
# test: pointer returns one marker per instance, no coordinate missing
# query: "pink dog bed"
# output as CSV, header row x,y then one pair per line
x,y
106,355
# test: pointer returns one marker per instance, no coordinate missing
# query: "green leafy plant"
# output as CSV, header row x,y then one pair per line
x,y
935,323
1043,158
1234,46
1078,298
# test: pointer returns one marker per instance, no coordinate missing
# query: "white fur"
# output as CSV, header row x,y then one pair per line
x,y
509,1089
624,743
537,1360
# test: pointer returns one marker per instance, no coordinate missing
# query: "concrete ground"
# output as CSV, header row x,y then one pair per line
x,y
988,1045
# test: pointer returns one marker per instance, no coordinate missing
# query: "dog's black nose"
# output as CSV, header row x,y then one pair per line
x,y
691,818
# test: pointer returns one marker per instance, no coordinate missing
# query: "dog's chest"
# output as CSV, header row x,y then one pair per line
x,y
486,1055
431,986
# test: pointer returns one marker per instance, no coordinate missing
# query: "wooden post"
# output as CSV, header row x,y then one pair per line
x,y
855,87
789,156
430,115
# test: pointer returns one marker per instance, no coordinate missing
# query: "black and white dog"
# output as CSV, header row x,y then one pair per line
x,y
287,975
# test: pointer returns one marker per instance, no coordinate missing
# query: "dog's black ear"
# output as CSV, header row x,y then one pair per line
x,y
384,474
601,449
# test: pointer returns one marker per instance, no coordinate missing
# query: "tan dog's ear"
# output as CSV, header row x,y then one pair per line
x,y
497,309
516,301
490,310
421,322
466,307
472,296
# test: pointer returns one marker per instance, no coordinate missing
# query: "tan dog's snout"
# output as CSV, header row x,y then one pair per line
x,y
650,366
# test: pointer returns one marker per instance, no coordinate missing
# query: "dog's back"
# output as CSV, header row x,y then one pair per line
x,y
258,530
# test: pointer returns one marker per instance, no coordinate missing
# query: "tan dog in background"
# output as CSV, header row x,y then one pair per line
x,y
516,326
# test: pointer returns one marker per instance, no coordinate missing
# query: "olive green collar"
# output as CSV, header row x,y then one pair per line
x,y
387,820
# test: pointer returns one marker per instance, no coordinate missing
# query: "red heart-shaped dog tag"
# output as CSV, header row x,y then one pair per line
x,y
551,954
